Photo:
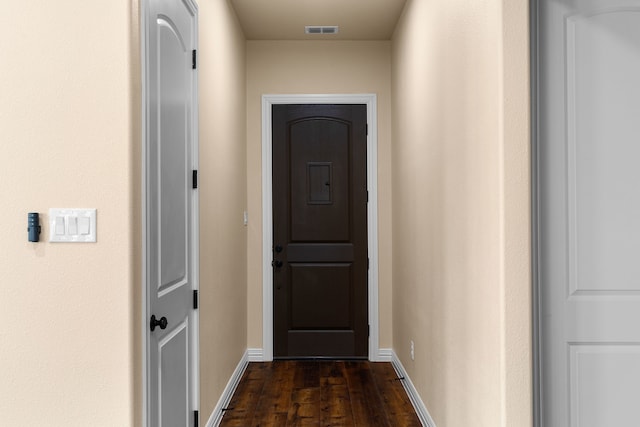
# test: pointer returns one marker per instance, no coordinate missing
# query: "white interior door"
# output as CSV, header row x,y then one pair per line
x,y
589,212
171,213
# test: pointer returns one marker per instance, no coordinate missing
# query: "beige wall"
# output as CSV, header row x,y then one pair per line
x,y
461,212
515,181
317,67
223,183
69,116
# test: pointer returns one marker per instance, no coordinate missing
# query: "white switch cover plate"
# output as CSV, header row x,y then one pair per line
x,y
72,225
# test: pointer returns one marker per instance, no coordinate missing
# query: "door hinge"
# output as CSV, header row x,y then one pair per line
x,y
196,418
368,263
368,330
367,196
367,129
195,299
194,179
194,56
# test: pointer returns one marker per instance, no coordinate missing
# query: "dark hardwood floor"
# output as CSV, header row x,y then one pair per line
x,y
320,393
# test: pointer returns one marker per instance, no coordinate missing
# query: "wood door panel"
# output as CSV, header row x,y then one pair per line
x,y
320,252
320,230
319,150
334,344
321,296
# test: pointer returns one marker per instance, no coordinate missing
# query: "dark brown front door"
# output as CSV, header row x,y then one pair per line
x,y
320,231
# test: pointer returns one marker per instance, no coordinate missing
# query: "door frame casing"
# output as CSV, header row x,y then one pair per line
x,y
370,100
535,218
195,215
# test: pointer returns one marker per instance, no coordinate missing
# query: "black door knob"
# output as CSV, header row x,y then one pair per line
x,y
278,248
276,263
154,322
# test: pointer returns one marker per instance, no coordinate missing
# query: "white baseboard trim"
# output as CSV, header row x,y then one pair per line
x,y
384,355
255,354
227,394
416,400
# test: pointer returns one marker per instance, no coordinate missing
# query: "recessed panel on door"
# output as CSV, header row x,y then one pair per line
x,y
321,296
172,157
174,377
320,150
604,385
603,75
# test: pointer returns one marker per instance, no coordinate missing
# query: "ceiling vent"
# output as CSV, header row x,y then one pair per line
x,y
327,29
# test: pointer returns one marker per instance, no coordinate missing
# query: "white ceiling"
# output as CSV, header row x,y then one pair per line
x,y
286,19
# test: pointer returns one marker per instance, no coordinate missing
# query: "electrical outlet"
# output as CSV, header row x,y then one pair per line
x,y
412,351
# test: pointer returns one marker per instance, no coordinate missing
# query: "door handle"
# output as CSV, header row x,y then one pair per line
x,y
276,263
154,322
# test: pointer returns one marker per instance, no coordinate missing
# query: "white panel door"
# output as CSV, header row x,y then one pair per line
x,y
171,212
589,212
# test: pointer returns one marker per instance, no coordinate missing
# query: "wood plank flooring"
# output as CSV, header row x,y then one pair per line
x,y
320,393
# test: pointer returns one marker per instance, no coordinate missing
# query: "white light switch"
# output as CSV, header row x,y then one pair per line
x,y
84,225
72,228
59,225
72,225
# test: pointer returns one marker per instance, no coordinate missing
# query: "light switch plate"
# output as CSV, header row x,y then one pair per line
x,y
72,225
